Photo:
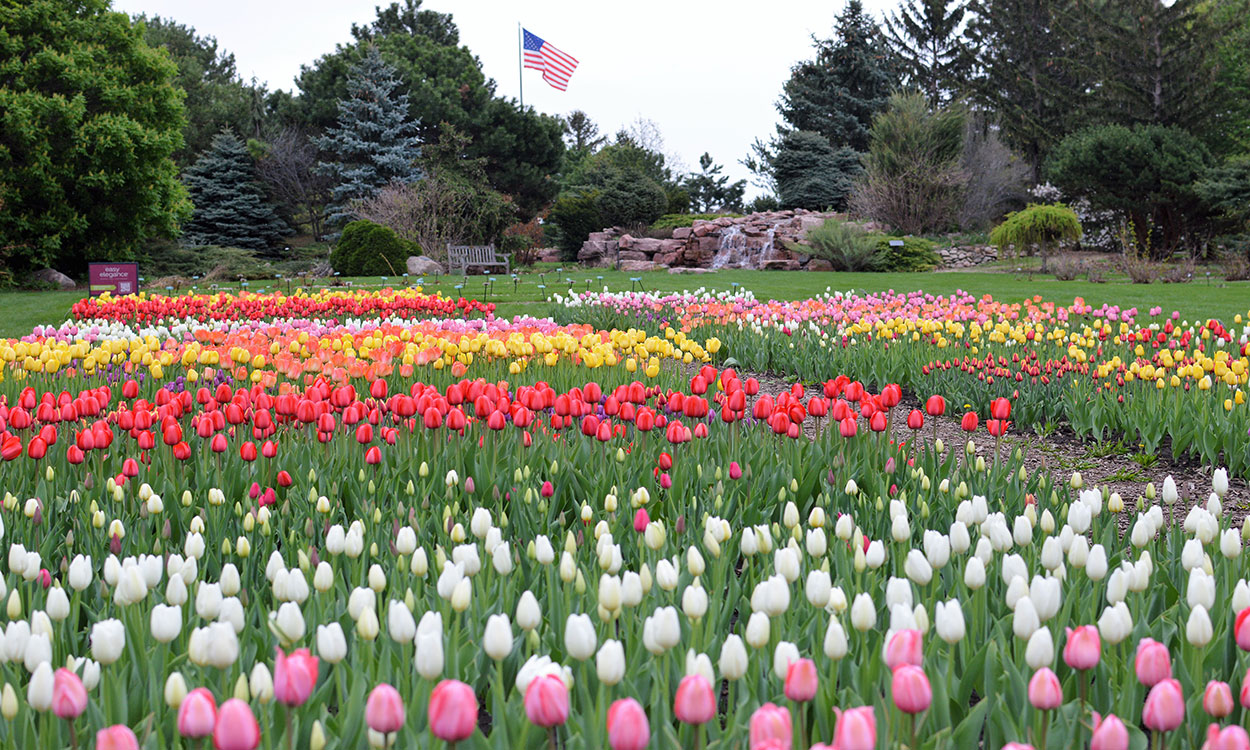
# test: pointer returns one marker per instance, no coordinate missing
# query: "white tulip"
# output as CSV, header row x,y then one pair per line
x,y
758,628
1024,621
80,572
1201,589
1170,495
1115,624
166,622
631,589
528,613
501,558
694,601
290,622
215,645
835,645
38,651
1045,593
974,573
1096,563
700,664
1041,649
733,658
108,639
1230,544
610,662
863,613
400,624
361,599
58,603
1198,630
497,641
39,692
785,654
875,556
429,651
579,637
819,588
208,600
917,568
1219,482
949,619
786,563
331,643
667,627
1241,596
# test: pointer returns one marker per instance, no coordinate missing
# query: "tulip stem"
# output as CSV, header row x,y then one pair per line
x,y
913,731
551,737
290,734
73,735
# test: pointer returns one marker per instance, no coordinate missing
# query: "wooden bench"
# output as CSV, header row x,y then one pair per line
x,y
484,256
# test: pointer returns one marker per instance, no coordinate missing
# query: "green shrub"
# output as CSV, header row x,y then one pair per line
x,y
575,216
368,249
1038,226
847,247
161,258
915,255
673,221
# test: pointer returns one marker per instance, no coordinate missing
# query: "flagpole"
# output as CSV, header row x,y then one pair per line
x,y
520,70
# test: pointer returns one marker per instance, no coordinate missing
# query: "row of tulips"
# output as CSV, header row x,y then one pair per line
x,y
1107,373
243,305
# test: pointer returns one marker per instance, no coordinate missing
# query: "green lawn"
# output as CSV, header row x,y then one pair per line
x,y
1219,299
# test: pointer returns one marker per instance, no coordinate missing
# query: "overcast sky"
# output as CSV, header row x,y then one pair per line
x,y
707,73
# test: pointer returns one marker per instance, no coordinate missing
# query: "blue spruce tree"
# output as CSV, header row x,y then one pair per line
x,y
230,207
374,143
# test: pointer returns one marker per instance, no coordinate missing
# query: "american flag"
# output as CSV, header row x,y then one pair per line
x,y
555,65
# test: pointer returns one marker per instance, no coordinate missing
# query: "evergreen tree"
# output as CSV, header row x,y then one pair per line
x,y
1026,72
850,80
932,54
710,190
373,144
1156,63
812,174
230,206
582,134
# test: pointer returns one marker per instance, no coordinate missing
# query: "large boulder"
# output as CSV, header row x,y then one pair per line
x,y
423,265
549,255
681,233
51,276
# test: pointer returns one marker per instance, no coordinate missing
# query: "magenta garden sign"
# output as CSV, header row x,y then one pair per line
x,y
116,278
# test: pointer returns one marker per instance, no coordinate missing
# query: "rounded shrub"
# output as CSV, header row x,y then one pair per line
x,y
368,249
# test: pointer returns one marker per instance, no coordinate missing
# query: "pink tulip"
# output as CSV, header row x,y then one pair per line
x,y
1109,733
641,519
69,697
294,676
384,709
1083,649
1228,738
1241,629
910,686
694,703
1154,663
1017,746
1165,706
1217,699
1045,693
801,680
197,715
236,727
770,725
116,737
628,728
904,647
547,701
1245,690
453,711
856,729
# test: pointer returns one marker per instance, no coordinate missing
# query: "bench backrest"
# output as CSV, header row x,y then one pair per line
x,y
472,253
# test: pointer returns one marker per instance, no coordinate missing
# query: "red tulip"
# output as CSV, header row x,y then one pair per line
x,y
1217,699
641,519
1083,649
801,680
969,422
1153,662
915,419
1000,408
547,490
38,448
628,728
856,729
1165,706
452,711
119,737
198,714
735,471
771,727
904,647
384,709
294,676
547,701
236,727
11,448
911,689
848,427
1045,692
69,697
373,456
935,406
247,451
1109,733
